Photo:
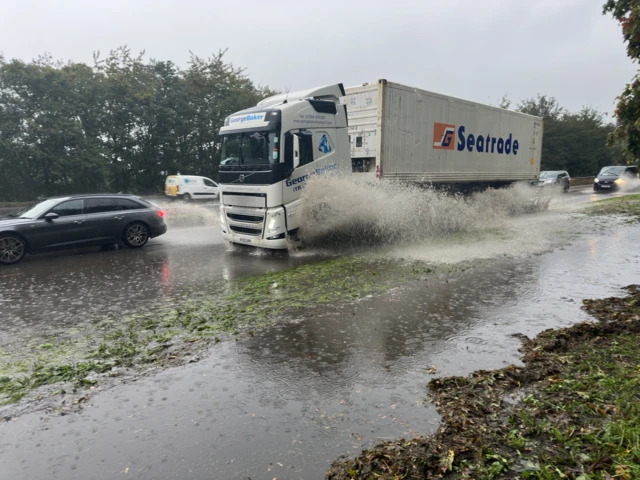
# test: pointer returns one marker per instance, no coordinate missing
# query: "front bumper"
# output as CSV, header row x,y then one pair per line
x,y
278,244
607,187
257,227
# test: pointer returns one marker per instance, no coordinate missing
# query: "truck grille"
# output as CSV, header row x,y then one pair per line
x,y
245,220
246,200
245,230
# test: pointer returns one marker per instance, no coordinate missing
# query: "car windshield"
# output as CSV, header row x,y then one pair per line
x,y
252,148
612,171
549,174
37,209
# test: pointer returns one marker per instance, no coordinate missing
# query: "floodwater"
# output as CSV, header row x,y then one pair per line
x,y
284,403
47,293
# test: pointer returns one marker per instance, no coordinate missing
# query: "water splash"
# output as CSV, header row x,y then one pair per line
x,y
343,211
186,215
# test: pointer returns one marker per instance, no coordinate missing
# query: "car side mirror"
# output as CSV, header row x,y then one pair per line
x,y
51,216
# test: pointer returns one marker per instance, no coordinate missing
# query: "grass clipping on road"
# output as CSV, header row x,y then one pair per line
x,y
171,335
626,205
578,416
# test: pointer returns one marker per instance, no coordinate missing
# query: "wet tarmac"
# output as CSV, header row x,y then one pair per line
x,y
47,293
57,290
287,401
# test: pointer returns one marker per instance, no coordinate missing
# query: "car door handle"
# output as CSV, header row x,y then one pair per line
x,y
78,222
119,217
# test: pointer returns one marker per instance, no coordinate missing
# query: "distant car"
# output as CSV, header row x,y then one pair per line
x,y
190,187
79,221
554,177
613,177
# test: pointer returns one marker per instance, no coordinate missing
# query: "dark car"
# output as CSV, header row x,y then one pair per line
x,y
79,221
549,178
613,177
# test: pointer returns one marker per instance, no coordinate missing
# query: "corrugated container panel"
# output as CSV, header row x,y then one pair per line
x,y
409,118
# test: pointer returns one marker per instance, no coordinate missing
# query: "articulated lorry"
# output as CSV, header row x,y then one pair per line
x,y
380,131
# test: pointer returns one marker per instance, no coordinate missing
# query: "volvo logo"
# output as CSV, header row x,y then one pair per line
x,y
241,178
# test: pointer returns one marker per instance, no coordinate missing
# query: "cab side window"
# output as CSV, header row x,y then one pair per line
x,y
306,149
66,209
209,183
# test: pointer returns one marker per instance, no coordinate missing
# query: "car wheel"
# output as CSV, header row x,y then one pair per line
x,y
136,235
186,198
12,249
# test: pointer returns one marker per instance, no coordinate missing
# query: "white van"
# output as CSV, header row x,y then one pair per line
x,y
190,187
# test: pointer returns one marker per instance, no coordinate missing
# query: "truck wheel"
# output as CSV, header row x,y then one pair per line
x,y
12,249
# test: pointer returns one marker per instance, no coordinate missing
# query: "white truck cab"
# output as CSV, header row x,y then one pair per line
x,y
269,152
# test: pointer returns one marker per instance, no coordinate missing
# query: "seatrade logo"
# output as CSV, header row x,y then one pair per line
x,y
450,137
443,136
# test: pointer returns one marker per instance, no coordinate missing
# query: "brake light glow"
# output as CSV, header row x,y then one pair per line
x,y
160,213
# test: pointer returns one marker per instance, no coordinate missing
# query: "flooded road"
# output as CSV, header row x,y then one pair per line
x,y
285,402
55,290
66,289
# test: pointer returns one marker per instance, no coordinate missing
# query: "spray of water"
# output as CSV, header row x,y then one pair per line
x,y
343,211
630,185
186,215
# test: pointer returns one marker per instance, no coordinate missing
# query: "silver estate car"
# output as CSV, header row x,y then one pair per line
x,y
79,221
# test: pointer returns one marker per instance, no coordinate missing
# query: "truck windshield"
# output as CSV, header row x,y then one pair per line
x,y
251,148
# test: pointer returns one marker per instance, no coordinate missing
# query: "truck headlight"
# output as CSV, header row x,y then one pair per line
x,y
223,222
275,221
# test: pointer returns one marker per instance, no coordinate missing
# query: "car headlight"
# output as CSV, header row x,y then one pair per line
x,y
618,181
597,181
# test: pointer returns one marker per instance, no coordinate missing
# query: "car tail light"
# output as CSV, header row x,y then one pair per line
x,y
160,213
177,188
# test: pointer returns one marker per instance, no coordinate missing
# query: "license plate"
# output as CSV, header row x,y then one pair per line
x,y
245,240
605,186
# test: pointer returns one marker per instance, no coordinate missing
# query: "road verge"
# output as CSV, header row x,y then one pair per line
x,y
573,411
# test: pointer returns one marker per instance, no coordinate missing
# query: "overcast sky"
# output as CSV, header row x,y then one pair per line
x,y
473,49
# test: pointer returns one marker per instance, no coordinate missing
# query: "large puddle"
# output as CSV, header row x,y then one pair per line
x,y
288,400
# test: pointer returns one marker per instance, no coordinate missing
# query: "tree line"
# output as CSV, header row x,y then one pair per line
x,y
573,141
119,125
125,122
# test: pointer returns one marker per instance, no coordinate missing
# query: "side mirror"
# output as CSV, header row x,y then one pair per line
x,y
51,216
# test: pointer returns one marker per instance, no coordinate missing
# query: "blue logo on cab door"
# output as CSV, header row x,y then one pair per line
x,y
325,146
